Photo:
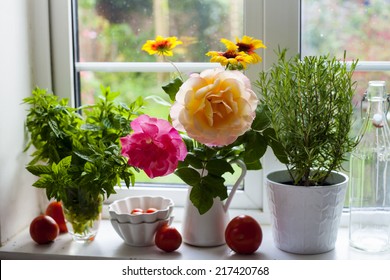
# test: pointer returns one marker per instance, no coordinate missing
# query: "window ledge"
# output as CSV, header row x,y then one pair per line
x,y
108,245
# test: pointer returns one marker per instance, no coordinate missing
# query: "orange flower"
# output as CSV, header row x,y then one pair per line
x,y
161,46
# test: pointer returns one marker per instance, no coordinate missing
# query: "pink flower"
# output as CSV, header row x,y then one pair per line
x,y
154,146
215,107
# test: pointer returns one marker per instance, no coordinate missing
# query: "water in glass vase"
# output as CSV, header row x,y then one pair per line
x,y
370,178
370,210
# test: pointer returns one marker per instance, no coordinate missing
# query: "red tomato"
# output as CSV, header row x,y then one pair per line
x,y
151,210
137,211
167,238
44,229
243,235
54,210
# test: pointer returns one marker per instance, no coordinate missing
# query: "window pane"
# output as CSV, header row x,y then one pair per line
x,y
116,30
359,27
132,85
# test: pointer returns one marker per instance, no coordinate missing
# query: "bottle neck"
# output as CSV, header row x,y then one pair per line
x,y
376,113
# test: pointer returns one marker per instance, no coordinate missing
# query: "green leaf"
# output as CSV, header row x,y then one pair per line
x,y
89,168
194,161
65,163
261,120
39,170
189,175
219,167
83,156
215,186
172,88
43,182
54,168
256,165
107,123
201,199
279,151
255,147
54,127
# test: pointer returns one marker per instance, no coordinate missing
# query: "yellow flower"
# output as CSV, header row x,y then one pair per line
x,y
230,58
248,45
161,46
215,107
237,55
230,46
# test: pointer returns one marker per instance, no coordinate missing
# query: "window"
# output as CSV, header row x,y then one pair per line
x,y
308,26
105,50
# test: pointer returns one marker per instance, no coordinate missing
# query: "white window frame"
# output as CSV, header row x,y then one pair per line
x,y
63,78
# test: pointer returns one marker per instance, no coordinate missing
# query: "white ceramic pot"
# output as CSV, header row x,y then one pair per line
x,y
205,230
208,230
305,220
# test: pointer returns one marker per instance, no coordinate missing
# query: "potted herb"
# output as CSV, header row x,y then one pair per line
x,y
77,154
310,102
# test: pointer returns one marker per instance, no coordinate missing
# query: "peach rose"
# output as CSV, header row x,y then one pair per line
x,y
215,106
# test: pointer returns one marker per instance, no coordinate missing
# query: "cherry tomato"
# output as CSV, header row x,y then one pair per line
x,y
137,211
168,238
44,229
151,210
243,234
54,210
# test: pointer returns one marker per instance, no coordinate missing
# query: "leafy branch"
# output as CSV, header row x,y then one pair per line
x,y
77,155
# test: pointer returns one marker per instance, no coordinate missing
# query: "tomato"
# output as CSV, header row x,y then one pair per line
x,y
243,234
54,210
151,210
44,229
168,238
137,211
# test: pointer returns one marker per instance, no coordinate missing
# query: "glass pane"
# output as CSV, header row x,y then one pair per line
x,y
132,85
111,30
359,27
114,31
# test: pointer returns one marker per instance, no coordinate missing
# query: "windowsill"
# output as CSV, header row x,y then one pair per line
x,y
108,245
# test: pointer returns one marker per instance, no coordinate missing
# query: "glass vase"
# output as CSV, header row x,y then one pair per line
x,y
83,218
369,228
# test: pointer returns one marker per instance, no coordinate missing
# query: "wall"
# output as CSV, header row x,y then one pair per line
x,y
18,199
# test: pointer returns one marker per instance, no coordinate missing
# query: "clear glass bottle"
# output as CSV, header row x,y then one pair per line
x,y
369,203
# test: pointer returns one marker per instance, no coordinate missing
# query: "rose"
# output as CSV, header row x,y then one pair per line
x,y
215,106
154,146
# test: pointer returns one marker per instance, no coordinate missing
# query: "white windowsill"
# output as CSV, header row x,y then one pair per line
x,y
108,245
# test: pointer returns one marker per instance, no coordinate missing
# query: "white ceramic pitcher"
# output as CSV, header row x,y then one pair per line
x,y
208,230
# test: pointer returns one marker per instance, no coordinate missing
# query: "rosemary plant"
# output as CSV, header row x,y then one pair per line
x,y
311,110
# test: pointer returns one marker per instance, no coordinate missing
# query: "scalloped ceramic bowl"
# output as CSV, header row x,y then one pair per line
x,y
120,210
139,235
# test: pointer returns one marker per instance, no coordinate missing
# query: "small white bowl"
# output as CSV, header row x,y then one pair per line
x,y
139,235
121,209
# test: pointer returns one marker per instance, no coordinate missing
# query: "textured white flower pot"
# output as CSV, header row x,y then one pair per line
x,y
305,220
